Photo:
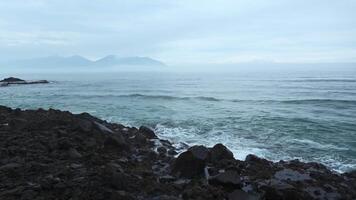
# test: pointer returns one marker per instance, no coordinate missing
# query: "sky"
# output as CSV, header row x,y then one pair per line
x,y
181,31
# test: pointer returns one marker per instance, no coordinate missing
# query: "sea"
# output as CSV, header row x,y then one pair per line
x,y
306,115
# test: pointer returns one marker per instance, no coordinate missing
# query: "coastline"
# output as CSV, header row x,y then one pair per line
x,y
49,154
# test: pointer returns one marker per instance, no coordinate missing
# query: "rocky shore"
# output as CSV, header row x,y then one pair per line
x,y
17,81
51,154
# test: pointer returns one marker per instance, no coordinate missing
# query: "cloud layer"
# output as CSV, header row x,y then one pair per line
x,y
181,31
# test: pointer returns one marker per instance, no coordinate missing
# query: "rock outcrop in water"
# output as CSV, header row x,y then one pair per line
x,y
17,81
51,154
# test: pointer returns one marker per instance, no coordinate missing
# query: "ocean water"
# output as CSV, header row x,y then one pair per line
x,y
276,115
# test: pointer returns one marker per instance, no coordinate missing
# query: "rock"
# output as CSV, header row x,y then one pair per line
x,y
255,159
115,178
103,128
200,152
73,153
191,163
115,141
85,125
161,150
228,179
172,152
11,79
220,152
166,179
147,132
10,166
241,195
292,175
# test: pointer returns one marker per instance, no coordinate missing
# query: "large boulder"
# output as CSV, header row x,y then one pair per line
x,y
220,152
191,163
147,132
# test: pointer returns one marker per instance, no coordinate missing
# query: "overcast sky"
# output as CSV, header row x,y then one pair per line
x,y
181,31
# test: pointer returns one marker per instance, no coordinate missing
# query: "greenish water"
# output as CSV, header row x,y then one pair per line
x,y
305,115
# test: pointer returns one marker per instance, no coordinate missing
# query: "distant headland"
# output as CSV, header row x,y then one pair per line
x,y
80,61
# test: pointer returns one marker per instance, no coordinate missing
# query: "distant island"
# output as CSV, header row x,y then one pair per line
x,y
17,81
78,61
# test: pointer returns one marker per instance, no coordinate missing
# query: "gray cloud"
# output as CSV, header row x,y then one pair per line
x,y
182,31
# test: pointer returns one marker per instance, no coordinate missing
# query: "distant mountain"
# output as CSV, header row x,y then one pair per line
x,y
113,60
79,61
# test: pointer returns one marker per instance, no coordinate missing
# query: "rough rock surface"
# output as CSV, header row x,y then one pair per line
x,y
51,154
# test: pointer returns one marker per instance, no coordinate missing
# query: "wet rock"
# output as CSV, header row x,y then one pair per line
x,y
147,132
220,152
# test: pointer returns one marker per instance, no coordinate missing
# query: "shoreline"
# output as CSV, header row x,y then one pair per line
x,y
48,154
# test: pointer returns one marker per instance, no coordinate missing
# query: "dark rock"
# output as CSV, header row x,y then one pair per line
x,y
191,163
228,179
10,166
161,150
199,152
115,141
103,128
147,132
73,153
11,79
172,152
220,152
241,195
85,125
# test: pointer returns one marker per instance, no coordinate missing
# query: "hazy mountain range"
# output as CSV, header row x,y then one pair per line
x,y
80,61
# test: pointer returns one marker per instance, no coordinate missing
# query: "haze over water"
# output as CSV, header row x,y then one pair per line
x,y
309,115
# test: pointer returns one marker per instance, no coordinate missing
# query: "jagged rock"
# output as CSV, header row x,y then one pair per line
x,y
147,132
220,152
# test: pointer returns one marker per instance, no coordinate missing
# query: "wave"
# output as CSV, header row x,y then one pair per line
x,y
347,80
319,101
214,99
